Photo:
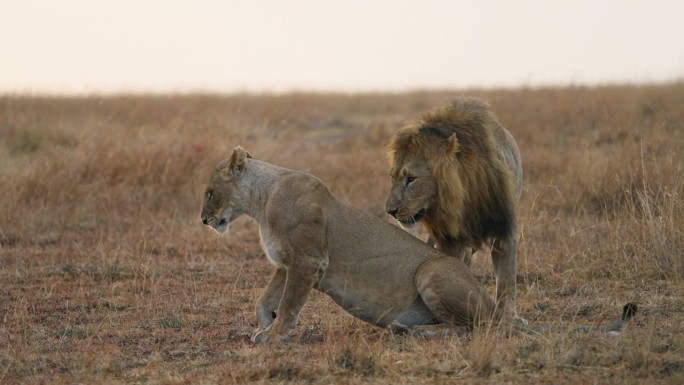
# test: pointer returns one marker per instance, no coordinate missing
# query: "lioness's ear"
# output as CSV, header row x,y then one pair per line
x,y
452,145
237,160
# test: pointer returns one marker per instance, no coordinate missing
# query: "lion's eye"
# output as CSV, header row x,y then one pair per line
x,y
208,194
409,180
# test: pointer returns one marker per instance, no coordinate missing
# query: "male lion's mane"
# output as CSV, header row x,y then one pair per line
x,y
475,189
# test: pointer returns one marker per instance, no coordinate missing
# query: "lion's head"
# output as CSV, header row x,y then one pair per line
x,y
223,199
414,188
445,173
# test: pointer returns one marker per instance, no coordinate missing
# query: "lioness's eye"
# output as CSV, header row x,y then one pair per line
x,y
208,194
409,180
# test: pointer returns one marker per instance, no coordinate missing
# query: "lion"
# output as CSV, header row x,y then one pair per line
x,y
458,172
374,270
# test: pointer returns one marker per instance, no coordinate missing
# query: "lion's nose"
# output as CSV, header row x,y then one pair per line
x,y
392,212
204,220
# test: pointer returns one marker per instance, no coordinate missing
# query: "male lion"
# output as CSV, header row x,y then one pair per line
x,y
372,269
459,173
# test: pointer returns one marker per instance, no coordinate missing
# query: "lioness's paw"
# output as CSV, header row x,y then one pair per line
x,y
267,336
397,328
438,331
261,336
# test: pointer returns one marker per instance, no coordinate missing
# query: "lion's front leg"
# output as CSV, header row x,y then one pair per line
x,y
298,284
505,260
270,299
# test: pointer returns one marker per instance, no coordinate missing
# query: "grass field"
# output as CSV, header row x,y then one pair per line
x,y
108,276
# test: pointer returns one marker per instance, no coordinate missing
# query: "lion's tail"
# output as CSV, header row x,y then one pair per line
x,y
628,312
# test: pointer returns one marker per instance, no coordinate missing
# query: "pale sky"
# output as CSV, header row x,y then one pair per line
x,y
85,46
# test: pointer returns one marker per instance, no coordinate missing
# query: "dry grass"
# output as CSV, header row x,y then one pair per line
x,y
107,275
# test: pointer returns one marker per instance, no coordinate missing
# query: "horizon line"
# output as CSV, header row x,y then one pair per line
x,y
208,91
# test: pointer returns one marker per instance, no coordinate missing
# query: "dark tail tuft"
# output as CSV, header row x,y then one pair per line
x,y
628,311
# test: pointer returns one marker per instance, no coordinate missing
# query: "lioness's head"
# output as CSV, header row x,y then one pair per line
x,y
414,153
223,200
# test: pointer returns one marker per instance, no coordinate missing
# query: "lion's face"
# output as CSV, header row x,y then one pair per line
x,y
223,202
414,189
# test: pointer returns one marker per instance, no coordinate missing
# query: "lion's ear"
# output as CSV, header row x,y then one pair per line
x,y
452,145
237,160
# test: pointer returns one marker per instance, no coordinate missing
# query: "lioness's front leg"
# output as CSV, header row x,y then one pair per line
x,y
268,301
298,283
298,245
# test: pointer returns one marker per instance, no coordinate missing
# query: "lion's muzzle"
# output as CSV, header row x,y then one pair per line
x,y
407,220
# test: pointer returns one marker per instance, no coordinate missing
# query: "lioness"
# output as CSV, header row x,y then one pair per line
x,y
372,269
458,172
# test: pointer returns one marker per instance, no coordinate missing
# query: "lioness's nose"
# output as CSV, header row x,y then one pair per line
x,y
204,220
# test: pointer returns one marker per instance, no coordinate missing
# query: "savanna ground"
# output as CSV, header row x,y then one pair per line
x,y
107,275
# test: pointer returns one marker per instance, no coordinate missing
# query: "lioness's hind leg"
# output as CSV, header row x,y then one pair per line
x,y
452,293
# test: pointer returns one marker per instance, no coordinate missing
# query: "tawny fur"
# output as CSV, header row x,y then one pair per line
x,y
372,269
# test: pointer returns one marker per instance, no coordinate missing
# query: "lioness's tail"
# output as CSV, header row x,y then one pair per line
x,y
628,312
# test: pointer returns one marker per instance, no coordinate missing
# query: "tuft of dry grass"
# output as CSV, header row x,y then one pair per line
x,y
109,277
